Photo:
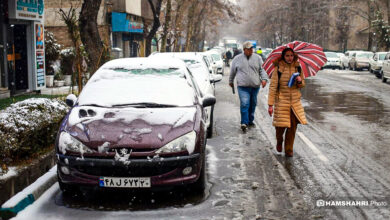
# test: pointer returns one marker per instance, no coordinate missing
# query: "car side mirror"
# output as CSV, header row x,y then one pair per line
x,y
208,100
215,78
71,100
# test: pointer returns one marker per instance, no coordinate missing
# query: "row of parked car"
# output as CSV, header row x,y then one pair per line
x,y
140,123
377,63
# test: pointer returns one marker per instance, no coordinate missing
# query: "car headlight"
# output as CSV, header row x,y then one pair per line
x,y
69,143
185,142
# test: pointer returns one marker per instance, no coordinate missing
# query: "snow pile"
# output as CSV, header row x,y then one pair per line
x,y
29,125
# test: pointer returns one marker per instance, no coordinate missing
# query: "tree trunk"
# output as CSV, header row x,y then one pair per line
x,y
156,24
89,33
191,12
166,26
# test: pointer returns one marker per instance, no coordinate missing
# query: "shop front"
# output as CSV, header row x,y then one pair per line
x,y
22,45
127,33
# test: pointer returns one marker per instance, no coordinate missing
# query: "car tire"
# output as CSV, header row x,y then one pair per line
x,y
354,67
200,184
210,128
369,69
379,74
384,79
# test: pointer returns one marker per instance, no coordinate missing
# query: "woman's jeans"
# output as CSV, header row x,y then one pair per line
x,y
248,102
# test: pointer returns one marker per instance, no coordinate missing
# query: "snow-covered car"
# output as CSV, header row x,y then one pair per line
x,y
360,60
333,60
266,52
341,57
208,59
205,81
217,61
138,123
376,62
385,73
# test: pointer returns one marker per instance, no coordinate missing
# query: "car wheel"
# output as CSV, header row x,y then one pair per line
x,y
369,69
200,184
354,67
379,74
349,66
384,79
210,128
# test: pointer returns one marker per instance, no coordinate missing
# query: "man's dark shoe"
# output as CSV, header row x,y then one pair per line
x,y
243,127
251,125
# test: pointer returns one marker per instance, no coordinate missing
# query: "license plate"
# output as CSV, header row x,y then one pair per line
x,y
125,182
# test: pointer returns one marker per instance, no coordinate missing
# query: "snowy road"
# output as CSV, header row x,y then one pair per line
x,y
341,155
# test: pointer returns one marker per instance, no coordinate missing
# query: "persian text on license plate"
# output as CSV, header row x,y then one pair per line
x,y
125,182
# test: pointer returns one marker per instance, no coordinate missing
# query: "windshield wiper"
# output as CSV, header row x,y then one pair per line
x,y
145,105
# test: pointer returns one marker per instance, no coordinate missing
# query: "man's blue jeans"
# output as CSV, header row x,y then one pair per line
x,y
248,102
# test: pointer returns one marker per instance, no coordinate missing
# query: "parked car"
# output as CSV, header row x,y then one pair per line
x,y
138,123
333,60
360,60
217,61
385,73
376,63
208,59
205,81
267,51
345,59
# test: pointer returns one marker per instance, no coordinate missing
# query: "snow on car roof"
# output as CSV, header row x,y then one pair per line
x,y
148,62
139,80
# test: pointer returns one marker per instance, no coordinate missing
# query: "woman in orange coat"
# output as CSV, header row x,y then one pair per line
x,y
287,101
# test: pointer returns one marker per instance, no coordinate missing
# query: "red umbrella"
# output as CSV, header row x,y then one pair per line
x,y
310,56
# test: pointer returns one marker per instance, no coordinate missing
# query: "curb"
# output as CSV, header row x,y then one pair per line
x,y
30,194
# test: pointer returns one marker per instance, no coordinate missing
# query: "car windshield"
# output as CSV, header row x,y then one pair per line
x,y
148,71
331,55
110,87
190,61
382,56
364,55
216,57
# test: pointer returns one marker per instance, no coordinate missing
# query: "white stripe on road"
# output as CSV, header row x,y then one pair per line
x,y
312,147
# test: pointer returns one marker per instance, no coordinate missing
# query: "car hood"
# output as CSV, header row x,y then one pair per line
x,y
136,128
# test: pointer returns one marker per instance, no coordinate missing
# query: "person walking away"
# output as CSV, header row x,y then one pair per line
x,y
259,51
287,100
247,68
229,56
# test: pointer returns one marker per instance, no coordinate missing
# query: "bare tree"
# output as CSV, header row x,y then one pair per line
x,y
89,34
155,6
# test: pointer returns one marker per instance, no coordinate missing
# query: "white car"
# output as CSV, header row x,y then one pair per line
x,y
333,60
376,62
197,66
385,74
217,61
345,60
360,60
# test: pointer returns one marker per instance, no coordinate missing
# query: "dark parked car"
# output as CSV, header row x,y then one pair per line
x,y
138,123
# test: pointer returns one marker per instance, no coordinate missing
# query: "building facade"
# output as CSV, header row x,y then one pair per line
x,y
22,57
